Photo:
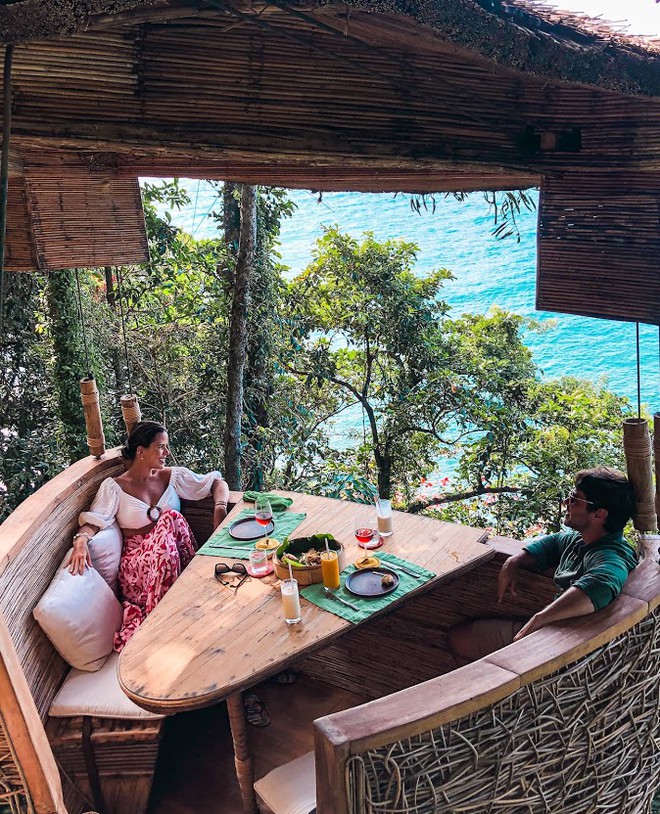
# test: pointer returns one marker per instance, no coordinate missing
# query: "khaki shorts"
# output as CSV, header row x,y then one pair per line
x,y
489,635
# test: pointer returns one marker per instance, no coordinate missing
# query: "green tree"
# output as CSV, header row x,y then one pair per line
x,y
29,427
368,325
433,387
69,362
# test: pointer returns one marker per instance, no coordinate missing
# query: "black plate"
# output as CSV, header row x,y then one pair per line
x,y
248,529
368,582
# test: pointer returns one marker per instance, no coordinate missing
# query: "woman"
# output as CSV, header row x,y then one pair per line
x,y
158,542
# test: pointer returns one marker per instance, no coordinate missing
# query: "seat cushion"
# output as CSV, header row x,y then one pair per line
x,y
99,693
105,550
80,615
290,789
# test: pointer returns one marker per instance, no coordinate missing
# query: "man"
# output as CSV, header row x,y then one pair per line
x,y
591,564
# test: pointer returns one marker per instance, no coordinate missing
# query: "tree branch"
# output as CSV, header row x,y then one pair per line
x,y
419,505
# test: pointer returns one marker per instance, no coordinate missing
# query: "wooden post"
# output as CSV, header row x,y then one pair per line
x,y
89,396
130,410
637,448
656,453
243,759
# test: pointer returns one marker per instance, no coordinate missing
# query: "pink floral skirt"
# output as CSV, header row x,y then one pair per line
x,y
149,565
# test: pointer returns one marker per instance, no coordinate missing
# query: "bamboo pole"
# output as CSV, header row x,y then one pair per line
x,y
637,448
89,396
656,453
4,173
130,410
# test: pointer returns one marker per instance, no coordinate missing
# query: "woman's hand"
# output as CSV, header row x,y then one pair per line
x,y
80,559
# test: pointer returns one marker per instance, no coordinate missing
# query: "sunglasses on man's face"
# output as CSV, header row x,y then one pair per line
x,y
236,568
574,498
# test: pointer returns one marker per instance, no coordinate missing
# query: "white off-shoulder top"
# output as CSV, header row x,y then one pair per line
x,y
112,503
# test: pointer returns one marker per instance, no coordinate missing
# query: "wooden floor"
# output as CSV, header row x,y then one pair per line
x,y
195,772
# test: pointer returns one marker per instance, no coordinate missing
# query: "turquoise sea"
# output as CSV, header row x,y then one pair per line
x,y
488,272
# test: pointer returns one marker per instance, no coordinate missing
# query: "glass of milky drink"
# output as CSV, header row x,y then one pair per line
x,y
384,516
291,601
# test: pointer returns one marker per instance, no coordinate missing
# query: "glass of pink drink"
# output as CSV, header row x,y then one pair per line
x,y
365,533
263,512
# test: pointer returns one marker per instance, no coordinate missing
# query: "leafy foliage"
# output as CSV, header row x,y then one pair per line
x,y
357,329
505,207
29,453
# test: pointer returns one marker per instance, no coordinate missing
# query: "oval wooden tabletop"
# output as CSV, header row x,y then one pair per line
x,y
204,642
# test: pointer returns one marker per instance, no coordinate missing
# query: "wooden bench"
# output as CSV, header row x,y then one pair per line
x,y
564,720
43,763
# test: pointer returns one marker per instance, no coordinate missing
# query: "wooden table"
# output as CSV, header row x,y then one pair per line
x,y
203,643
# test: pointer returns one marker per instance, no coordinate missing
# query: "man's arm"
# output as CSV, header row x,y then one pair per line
x,y
508,576
573,602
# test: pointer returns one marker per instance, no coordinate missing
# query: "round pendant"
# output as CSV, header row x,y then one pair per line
x,y
154,512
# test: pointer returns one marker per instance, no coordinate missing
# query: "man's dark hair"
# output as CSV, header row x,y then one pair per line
x,y
609,489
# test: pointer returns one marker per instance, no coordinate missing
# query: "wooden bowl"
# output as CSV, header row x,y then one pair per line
x,y
307,574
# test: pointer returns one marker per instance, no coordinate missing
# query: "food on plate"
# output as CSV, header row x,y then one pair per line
x,y
267,544
387,580
367,561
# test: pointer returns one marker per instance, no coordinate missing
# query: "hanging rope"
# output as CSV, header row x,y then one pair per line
x,y
89,394
130,406
4,174
639,374
656,445
120,292
90,375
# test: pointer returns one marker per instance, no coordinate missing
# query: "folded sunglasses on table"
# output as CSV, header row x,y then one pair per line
x,y
237,568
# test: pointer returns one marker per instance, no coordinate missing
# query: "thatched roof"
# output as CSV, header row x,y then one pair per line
x,y
519,34
412,95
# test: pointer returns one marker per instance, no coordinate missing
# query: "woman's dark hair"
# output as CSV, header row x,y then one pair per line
x,y
141,436
608,489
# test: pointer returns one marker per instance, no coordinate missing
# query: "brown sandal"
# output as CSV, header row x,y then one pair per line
x,y
255,710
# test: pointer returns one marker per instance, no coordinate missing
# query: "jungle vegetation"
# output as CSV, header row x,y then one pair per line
x,y
247,369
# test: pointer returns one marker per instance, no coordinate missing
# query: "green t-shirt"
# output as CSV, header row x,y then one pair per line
x,y
599,569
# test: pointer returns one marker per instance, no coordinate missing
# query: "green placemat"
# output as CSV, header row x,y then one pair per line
x,y
222,544
368,605
277,502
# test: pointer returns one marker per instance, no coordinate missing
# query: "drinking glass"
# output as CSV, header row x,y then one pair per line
x,y
384,517
330,570
365,534
263,511
291,601
259,563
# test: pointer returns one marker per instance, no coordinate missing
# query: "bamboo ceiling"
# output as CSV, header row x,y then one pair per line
x,y
370,95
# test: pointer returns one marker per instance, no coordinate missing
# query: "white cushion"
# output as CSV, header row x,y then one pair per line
x,y
105,550
97,693
79,614
290,789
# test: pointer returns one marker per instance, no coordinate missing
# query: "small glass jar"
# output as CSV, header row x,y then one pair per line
x,y
259,565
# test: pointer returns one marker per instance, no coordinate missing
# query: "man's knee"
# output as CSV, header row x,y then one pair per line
x,y
469,641
459,639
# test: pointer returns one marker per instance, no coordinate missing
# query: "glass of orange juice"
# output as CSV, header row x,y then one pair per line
x,y
330,569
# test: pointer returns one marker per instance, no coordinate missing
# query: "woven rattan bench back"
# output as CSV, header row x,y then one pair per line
x,y
25,579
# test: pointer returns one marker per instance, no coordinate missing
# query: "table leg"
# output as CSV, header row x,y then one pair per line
x,y
242,754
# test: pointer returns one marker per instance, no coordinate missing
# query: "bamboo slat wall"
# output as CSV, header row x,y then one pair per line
x,y
599,244
20,252
86,220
